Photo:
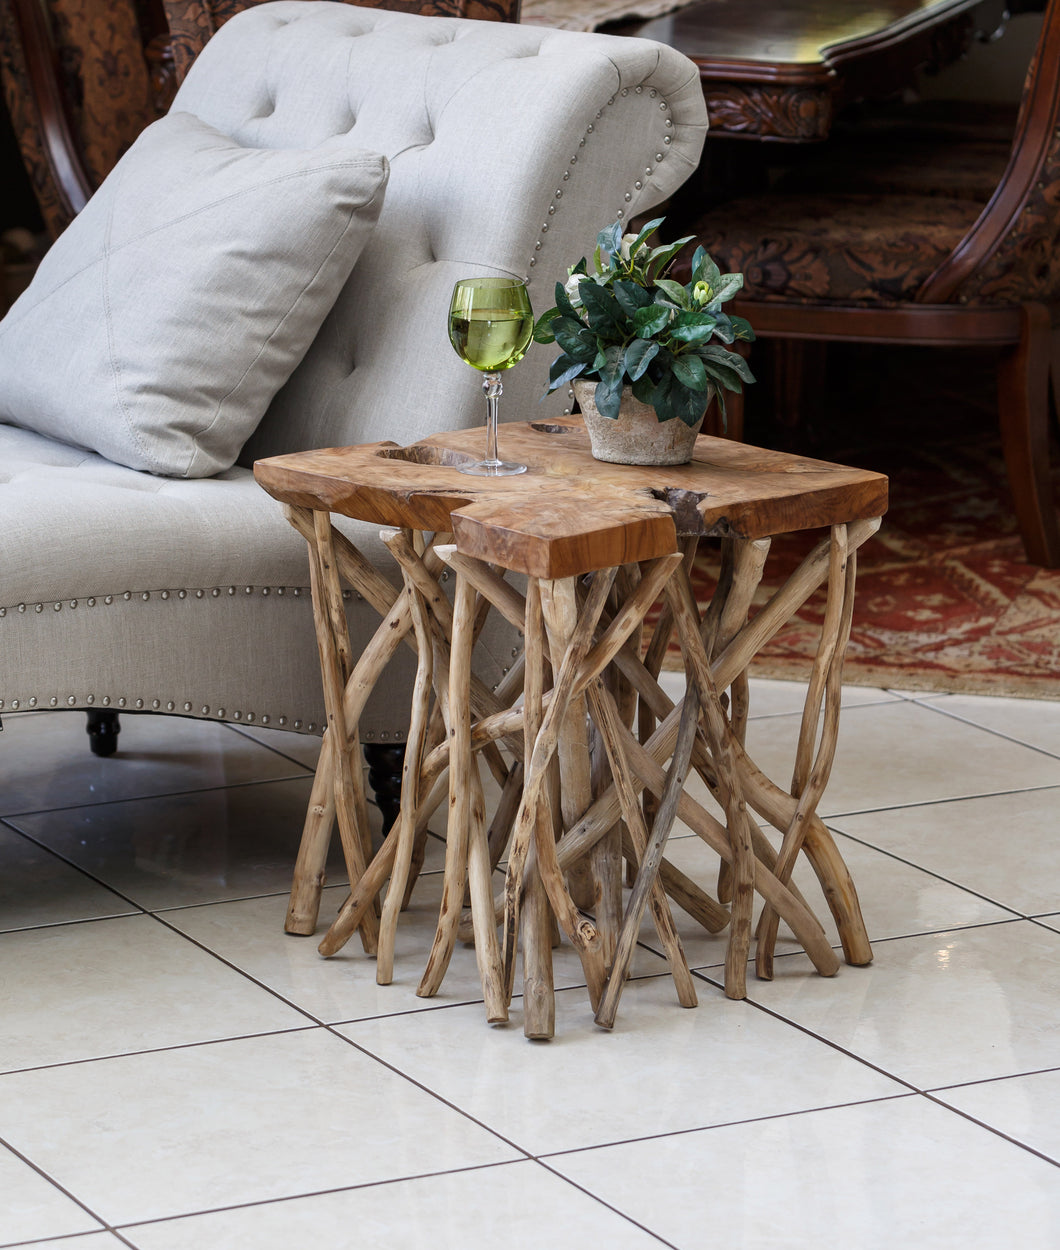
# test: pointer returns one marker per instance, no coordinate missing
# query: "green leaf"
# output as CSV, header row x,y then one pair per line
x,y
688,405
563,368
689,371
728,360
659,260
610,238
742,328
647,231
580,345
676,292
639,355
724,377
704,269
650,320
644,388
724,331
609,388
727,286
613,366
602,309
631,296
661,399
693,327
543,328
561,371
563,303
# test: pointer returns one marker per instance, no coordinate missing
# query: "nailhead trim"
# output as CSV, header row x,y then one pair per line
x,y
106,700
590,129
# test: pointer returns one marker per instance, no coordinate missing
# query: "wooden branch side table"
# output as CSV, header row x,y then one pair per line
x,y
592,766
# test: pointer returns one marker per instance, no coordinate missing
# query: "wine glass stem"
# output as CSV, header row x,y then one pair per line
x,y
492,389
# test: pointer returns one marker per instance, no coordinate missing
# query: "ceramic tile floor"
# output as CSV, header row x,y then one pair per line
x,y
176,1073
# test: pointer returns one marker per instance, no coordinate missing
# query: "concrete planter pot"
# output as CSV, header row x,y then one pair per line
x,y
636,436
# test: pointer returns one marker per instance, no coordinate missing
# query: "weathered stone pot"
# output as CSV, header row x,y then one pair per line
x,y
636,436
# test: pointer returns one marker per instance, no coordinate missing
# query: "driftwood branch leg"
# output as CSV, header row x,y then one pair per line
x,y
608,719
467,806
303,907
737,819
405,833
560,607
335,665
579,930
743,566
811,771
533,679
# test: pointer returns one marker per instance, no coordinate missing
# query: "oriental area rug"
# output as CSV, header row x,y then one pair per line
x,y
945,599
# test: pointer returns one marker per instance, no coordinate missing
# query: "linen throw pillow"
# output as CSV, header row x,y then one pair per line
x,y
160,325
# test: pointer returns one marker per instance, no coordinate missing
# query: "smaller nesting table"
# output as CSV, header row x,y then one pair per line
x,y
590,754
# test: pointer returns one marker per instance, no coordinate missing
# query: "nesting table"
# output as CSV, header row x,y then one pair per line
x,y
590,754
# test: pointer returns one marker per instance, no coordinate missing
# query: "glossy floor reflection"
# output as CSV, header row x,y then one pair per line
x,y
176,1073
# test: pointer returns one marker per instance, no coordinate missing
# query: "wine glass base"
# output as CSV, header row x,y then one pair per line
x,y
493,468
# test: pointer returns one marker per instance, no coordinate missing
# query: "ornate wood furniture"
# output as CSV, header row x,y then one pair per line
x,y
597,544
782,71
81,79
930,269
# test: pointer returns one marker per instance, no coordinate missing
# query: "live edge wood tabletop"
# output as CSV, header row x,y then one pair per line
x,y
590,753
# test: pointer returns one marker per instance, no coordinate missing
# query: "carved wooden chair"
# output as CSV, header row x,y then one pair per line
x,y
877,266
82,78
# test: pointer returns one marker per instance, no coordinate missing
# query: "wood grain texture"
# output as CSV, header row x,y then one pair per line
x,y
598,515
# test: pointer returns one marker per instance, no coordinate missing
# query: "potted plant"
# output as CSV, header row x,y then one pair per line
x,y
645,353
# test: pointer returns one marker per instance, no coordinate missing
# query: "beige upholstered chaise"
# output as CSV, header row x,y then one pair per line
x,y
183,590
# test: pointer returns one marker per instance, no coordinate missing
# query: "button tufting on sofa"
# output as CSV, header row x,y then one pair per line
x,y
179,563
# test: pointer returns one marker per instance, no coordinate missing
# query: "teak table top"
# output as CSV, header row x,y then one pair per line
x,y
570,513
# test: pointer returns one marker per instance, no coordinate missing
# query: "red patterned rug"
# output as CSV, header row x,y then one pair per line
x,y
945,599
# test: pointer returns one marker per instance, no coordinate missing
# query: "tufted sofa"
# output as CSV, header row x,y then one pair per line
x,y
508,148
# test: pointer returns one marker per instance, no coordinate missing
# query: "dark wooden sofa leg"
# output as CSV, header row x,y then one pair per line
x,y
102,730
1023,402
385,764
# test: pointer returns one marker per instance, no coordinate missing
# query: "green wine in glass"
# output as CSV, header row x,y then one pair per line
x,y
490,325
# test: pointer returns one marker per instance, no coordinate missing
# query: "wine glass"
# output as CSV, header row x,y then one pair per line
x,y
490,325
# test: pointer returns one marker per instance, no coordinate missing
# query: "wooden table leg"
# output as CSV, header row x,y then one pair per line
x,y
649,852
580,931
307,881
559,602
404,834
737,818
525,899
347,779
812,769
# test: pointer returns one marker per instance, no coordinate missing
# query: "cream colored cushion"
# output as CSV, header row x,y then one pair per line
x,y
162,323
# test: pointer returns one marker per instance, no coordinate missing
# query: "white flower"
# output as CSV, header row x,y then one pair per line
x,y
573,282
624,247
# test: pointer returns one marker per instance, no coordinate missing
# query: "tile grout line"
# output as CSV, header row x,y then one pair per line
x,y
8,817
131,1228
709,1128
915,1089
997,733
107,1227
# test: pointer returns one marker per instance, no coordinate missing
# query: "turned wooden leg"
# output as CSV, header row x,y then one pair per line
x,y
385,765
102,730
1023,408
